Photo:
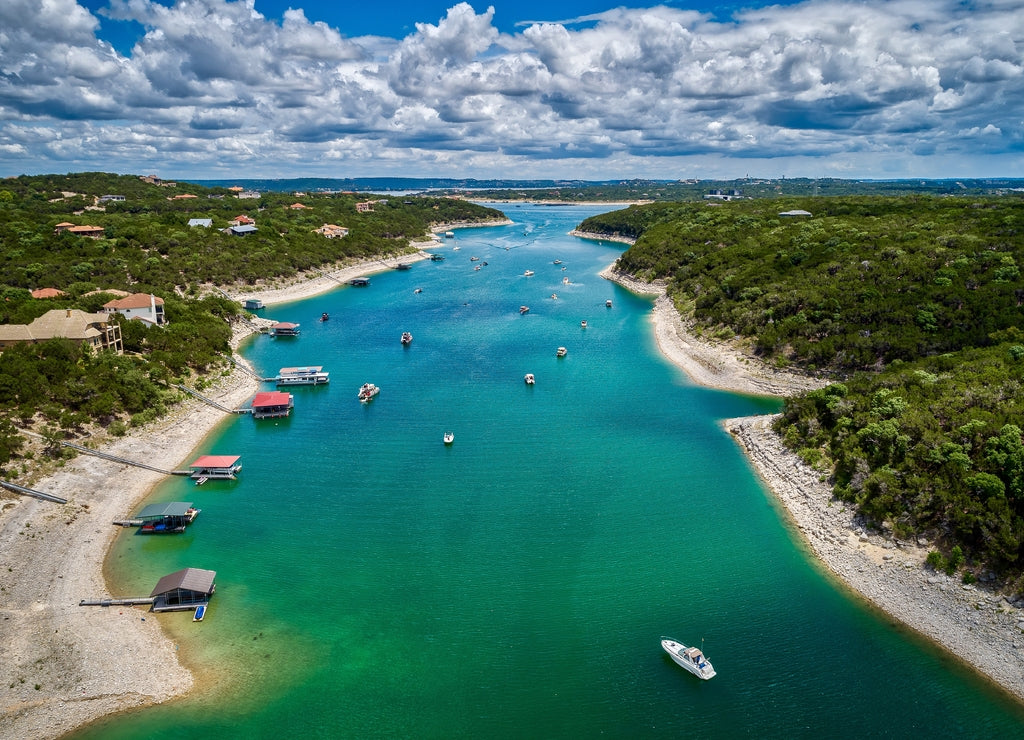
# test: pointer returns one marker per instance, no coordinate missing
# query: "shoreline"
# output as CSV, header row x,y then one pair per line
x,y
62,665
979,628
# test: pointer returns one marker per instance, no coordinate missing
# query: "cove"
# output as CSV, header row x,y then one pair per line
x,y
373,582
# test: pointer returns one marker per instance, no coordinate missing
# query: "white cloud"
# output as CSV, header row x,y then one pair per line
x,y
655,88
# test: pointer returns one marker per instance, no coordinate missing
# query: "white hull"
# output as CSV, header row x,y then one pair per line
x,y
690,658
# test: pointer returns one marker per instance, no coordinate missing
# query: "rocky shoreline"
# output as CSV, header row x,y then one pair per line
x,y
977,625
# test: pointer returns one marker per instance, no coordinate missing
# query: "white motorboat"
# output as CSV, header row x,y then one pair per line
x,y
561,352
449,437
367,391
524,309
690,658
528,273
583,324
608,303
406,337
528,378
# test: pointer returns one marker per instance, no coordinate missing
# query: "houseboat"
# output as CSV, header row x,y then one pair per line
x,y
359,282
306,375
437,258
403,266
183,590
272,404
284,329
221,467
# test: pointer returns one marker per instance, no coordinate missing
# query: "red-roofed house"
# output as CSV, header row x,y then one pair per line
x,y
241,221
142,306
269,404
47,293
298,207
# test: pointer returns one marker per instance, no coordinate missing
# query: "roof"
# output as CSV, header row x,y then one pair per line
x,y
200,222
242,229
170,508
285,325
47,293
215,461
796,212
135,300
67,322
304,370
190,579
271,398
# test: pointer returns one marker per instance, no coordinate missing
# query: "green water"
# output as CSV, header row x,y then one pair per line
x,y
372,582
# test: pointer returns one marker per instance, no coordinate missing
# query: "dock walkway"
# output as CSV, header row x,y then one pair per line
x,y
29,492
210,401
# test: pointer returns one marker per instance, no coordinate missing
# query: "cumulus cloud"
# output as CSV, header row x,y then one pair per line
x,y
832,83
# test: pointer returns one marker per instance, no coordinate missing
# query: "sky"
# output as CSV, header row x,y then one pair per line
x,y
563,89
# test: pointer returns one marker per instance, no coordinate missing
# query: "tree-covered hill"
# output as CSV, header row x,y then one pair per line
x,y
915,303
148,247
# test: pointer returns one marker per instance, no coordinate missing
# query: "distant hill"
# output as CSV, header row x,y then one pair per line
x,y
630,190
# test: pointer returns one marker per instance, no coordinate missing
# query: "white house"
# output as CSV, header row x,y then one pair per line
x,y
142,306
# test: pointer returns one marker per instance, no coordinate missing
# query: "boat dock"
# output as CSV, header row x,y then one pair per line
x,y
136,601
29,492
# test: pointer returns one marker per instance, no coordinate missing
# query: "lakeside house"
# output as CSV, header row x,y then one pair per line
x,y
111,198
202,222
242,220
184,589
796,212
365,207
241,230
332,231
93,232
93,329
299,207
142,306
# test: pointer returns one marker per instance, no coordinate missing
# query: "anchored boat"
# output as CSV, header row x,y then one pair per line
x,y
690,658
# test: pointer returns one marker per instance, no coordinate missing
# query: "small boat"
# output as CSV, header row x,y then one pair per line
x,y
449,235
484,263
524,309
403,266
406,338
528,378
561,352
554,296
565,280
608,303
324,316
528,273
583,324
474,259
367,392
200,613
437,258
449,437
418,290
557,262
456,249
477,267
690,658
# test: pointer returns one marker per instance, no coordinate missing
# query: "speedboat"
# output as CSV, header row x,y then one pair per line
x,y
528,378
554,296
565,280
449,437
418,290
583,324
690,658
324,316
474,259
367,391
524,309
561,352
608,303
200,613
528,273
406,337
557,262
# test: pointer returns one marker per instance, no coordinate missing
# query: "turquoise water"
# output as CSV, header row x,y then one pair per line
x,y
373,582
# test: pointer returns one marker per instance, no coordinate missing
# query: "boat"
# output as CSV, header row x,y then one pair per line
x,y
418,290
690,658
524,309
565,280
367,391
477,267
403,266
528,378
528,273
608,303
406,338
554,296
437,258
200,613
324,316
456,249
583,324
474,259
449,235
449,437
561,352
557,262
306,375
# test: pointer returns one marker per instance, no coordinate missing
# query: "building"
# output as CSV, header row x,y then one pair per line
x,y
365,206
271,404
252,304
284,329
166,518
114,198
331,231
183,590
242,220
216,466
93,329
298,207
94,232
142,306
203,222
47,293
796,212
242,230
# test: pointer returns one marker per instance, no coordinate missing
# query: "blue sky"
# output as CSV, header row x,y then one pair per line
x,y
565,89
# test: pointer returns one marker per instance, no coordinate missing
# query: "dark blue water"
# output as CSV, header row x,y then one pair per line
x,y
373,582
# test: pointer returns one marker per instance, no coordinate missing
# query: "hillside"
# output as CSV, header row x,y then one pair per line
x,y
914,304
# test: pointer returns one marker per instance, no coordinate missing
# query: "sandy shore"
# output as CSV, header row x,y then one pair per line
x,y
977,625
